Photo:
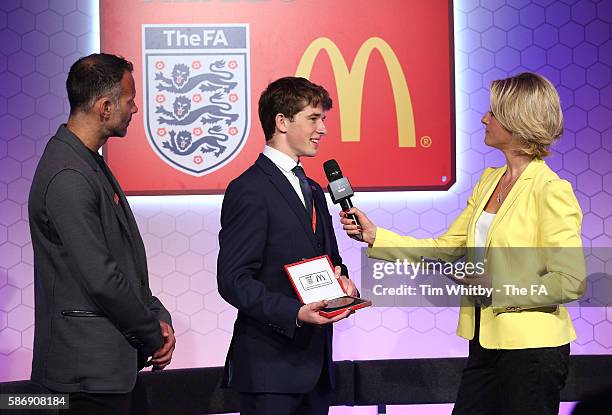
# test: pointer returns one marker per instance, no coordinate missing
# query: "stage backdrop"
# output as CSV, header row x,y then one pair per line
x,y
200,68
568,41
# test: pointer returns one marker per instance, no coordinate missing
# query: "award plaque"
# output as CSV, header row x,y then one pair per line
x,y
314,280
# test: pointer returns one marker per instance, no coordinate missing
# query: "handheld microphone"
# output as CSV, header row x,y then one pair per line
x,y
340,190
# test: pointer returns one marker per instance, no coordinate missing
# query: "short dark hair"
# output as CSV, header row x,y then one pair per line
x,y
95,76
288,96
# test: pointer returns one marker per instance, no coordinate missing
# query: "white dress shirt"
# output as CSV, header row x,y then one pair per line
x,y
481,231
285,164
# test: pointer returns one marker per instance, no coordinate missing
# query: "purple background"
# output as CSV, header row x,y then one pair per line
x,y
570,42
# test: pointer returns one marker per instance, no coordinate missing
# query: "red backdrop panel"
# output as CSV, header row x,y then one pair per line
x,y
400,137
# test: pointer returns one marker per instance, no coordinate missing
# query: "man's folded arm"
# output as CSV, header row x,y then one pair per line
x,y
73,209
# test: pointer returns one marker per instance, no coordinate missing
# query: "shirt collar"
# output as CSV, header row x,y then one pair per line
x,y
282,161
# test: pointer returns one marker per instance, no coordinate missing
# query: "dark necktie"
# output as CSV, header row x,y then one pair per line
x,y
306,190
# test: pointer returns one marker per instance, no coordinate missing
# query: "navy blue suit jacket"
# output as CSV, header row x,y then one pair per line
x,y
264,226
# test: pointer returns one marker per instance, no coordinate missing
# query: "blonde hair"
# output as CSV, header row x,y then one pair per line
x,y
528,106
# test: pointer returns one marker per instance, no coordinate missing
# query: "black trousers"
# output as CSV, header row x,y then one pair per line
x,y
315,402
100,404
512,382
83,403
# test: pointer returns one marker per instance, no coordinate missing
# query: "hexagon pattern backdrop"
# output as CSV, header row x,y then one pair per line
x,y
570,42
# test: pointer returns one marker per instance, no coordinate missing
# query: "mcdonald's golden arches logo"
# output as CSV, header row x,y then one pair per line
x,y
349,84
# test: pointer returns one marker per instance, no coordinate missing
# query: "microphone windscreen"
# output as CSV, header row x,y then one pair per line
x,y
332,170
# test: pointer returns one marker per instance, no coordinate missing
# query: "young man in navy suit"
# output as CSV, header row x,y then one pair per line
x,y
280,357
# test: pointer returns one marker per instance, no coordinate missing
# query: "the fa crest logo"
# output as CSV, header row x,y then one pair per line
x,y
196,93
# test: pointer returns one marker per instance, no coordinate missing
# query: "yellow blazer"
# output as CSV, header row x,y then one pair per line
x,y
541,210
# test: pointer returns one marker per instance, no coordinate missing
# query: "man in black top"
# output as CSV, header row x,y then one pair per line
x,y
97,322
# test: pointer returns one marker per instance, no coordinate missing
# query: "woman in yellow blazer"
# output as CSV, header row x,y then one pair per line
x,y
527,222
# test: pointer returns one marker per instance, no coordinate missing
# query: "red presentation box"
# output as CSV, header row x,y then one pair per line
x,y
314,280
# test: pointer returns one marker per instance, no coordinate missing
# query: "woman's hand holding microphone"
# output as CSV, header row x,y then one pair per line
x,y
367,227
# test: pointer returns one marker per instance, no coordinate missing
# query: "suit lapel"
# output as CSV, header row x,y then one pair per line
x,y
131,226
482,202
66,136
282,185
320,205
115,198
518,188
